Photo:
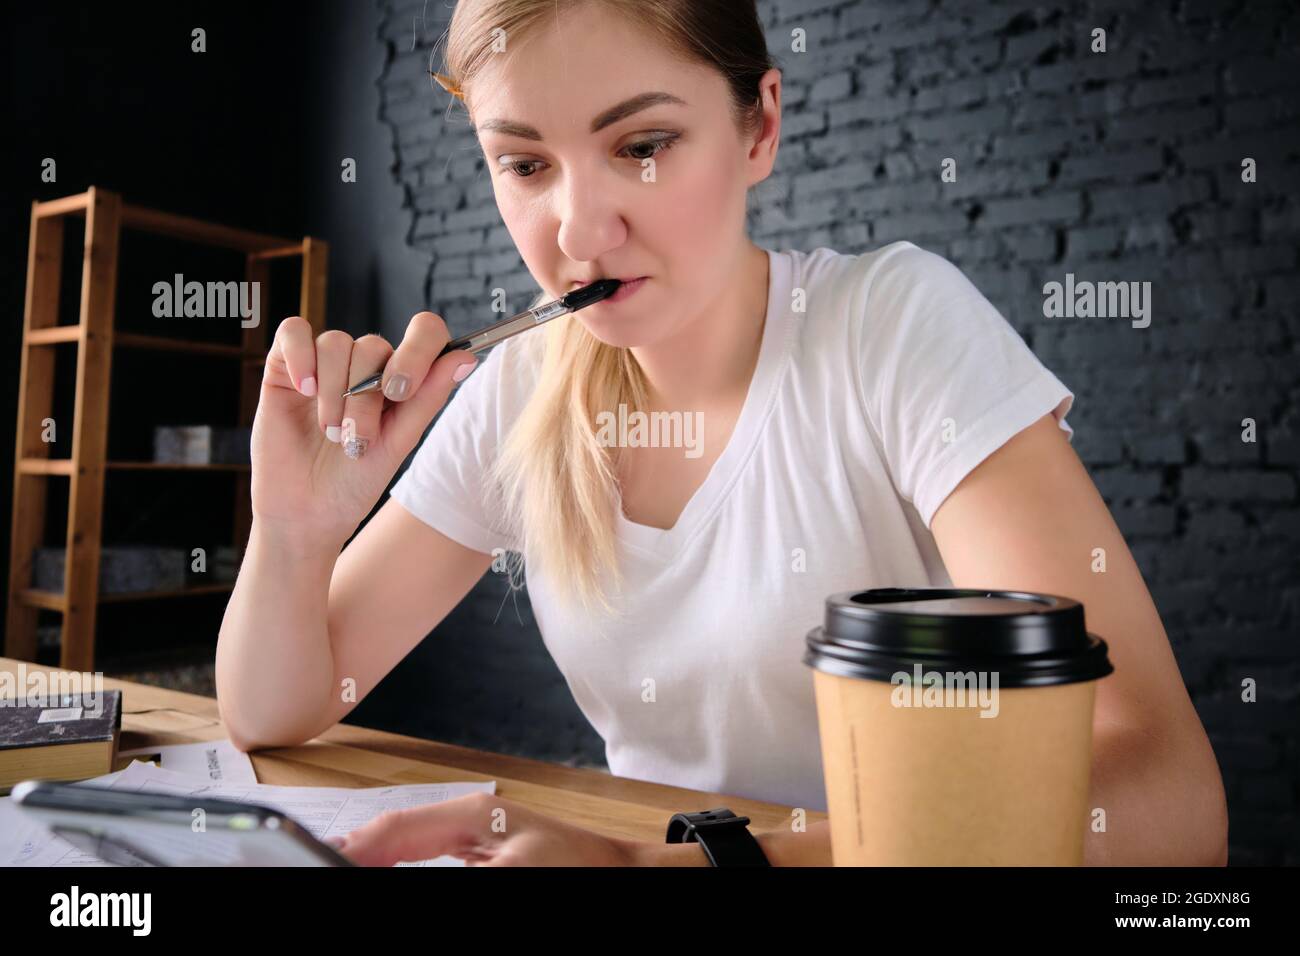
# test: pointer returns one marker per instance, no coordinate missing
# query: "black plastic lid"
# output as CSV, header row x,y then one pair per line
x,y
1030,640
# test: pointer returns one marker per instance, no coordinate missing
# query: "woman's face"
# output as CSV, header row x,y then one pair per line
x,y
567,167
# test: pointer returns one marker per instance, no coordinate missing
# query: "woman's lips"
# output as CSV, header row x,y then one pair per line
x,y
626,289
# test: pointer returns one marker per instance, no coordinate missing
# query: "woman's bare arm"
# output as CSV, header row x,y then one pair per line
x,y
301,623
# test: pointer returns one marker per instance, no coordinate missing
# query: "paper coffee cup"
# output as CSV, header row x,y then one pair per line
x,y
956,726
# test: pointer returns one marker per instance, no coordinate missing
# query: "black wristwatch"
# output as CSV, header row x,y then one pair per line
x,y
724,836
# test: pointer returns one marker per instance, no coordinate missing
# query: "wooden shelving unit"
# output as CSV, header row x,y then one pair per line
x,y
95,338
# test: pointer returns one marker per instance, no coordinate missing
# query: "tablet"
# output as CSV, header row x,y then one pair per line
x,y
126,828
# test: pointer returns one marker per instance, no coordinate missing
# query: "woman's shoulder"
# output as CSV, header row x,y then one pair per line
x,y
833,293
900,263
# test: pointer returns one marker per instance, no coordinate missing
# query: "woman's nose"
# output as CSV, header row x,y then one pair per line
x,y
591,223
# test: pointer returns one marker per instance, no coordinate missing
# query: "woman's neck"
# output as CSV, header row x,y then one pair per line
x,y
712,360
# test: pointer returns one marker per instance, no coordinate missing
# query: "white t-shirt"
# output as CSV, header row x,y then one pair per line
x,y
828,483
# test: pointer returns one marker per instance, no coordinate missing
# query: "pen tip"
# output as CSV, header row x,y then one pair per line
x,y
589,294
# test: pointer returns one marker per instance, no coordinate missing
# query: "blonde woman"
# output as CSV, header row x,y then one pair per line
x,y
865,420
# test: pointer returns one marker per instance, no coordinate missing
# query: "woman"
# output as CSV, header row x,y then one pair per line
x,y
867,420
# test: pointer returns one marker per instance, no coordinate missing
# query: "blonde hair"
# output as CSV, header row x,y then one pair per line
x,y
558,483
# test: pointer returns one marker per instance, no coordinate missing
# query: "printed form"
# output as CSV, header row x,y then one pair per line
x,y
324,811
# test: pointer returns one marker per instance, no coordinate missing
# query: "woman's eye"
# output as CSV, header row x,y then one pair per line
x,y
655,146
658,146
514,167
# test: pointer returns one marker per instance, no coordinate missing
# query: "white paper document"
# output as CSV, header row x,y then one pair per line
x,y
211,759
324,811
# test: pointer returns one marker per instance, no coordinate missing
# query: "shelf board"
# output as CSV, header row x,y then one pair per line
x,y
283,252
45,466
54,335
55,600
199,231
46,600
171,224
64,334
62,207
134,340
120,596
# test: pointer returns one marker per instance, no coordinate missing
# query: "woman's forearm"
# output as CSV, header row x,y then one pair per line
x,y
274,667
1163,803
811,847
1163,807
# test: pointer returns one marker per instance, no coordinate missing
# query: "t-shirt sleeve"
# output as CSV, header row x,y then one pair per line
x,y
945,379
445,485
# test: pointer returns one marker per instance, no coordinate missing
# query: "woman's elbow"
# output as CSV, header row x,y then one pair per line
x,y
1216,840
236,737
246,739
1211,835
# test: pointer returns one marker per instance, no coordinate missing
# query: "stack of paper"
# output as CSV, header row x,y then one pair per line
x,y
216,769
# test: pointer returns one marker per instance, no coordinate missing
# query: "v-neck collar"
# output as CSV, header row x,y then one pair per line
x,y
663,543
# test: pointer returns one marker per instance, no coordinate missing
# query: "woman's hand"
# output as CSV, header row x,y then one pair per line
x,y
303,482
483,830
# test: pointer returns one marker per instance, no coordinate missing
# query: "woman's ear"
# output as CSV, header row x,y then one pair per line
x,y
762,155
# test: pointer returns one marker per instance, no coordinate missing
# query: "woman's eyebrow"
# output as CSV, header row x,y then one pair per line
x,y
618,111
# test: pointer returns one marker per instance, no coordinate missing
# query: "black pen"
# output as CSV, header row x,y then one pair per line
x,y
490,335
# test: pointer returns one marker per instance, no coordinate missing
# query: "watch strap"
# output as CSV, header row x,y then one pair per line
x,y
724,837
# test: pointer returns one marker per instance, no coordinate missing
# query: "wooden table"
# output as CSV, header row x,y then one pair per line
x,y
350,756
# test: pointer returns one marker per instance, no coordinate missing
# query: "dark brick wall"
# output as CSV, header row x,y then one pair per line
x,y
1122,166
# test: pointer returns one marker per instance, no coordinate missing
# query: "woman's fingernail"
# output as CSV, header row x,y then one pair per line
x,y
396,387
335,841
332,433
308,386
463,370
